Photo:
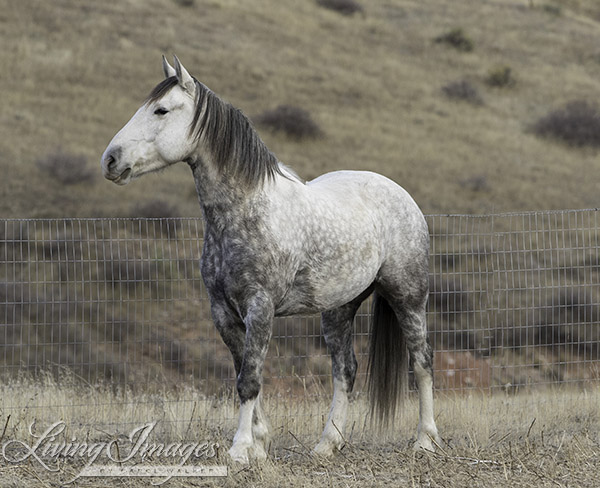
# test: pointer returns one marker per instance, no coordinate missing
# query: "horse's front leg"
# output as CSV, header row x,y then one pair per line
x,y
233,332
252,434
337,329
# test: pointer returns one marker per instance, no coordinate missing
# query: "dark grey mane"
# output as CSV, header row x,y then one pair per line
x,y
235,146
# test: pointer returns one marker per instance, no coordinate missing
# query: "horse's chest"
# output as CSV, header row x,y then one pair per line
x,y
235,270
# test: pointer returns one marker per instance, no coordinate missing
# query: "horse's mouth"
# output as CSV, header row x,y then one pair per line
x,y
123,178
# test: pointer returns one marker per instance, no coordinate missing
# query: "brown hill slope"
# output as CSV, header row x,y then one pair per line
x,y
74,72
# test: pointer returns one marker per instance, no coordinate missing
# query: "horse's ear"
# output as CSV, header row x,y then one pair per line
x,y
168,69
185,80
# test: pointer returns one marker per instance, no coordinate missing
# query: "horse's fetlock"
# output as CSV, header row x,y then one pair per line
x,y
248,388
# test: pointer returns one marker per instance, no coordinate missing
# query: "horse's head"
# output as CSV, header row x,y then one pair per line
x,y
158,135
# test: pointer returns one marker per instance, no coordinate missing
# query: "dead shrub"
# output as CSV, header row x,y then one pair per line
x,y
457,39
344,7
64,248
570,320
130,272
464,91
552,9
500,77
455,340
577,124
160,215
292,121
475,183
66,167
155,209
14,241
448,299
14,300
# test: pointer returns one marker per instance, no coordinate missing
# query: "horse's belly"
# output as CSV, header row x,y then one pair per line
x,y
328,286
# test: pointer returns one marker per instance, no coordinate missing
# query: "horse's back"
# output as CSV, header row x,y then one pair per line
x,y
373,186
387,200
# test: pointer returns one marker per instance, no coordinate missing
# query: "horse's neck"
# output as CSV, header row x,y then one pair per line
x,y
224,204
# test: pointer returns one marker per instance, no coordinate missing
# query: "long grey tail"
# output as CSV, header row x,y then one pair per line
x,y
387,377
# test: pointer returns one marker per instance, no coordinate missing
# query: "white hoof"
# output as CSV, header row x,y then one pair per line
x,y
239,453
258,452
424,441
325,448
242,453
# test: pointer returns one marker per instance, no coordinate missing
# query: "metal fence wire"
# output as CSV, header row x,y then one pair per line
x,y
514,304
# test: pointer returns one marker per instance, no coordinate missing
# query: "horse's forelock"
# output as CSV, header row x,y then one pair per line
x,y
161,89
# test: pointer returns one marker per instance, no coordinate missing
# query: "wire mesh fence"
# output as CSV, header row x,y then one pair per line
x,y
119,305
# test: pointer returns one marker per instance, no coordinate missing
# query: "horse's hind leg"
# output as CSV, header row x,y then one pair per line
x,y
414,327
406,289
408,299
337,328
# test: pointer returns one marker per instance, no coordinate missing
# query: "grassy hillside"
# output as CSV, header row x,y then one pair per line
x,y
74,72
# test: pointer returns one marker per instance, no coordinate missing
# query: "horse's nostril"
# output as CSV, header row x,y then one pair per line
x,y
110,161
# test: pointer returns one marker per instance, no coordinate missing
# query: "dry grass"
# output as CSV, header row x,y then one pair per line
x,y
547,438
78,73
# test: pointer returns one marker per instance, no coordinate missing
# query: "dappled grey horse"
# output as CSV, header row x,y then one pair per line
x,y
277,246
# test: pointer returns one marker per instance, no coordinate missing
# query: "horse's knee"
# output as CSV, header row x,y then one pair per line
x,y
248,387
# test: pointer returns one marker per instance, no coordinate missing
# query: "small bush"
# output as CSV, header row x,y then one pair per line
x,y
500,77
65,167
552,9
344,7
14,241
185,3
155,209
570,320
462,90
293,121
66,246
160,210
14,300
448,299
577,124
131,273
457,39
475,183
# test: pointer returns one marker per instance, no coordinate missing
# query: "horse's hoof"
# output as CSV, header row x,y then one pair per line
x,y
425,445
243,453
324,449
424,442
239,454
259,453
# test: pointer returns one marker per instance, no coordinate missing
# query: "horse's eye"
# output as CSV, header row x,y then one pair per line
x,y
161,111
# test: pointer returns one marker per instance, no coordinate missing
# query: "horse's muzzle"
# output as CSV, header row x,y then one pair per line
x,y
111,170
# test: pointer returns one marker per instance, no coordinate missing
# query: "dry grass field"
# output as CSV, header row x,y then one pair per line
x,y
467,104
386,96
549,438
